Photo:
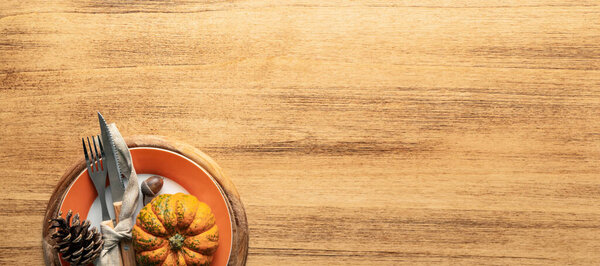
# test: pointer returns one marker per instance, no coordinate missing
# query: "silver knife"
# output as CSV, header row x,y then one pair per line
x,y
117,188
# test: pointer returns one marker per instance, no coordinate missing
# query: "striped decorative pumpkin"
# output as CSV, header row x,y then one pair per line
x,y
175,229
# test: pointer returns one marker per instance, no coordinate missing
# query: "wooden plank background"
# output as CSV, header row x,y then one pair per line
x,y
357,132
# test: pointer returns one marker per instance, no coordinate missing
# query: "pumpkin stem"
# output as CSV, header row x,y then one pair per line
x,y
176,241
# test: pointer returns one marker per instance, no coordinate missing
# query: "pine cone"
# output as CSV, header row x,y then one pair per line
x,y
77,244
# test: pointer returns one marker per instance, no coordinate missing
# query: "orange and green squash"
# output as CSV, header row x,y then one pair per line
x,y
175,229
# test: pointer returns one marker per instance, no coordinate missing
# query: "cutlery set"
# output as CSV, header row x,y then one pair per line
x,y
99,165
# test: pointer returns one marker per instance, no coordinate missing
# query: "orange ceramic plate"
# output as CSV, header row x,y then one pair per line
x,y
182,175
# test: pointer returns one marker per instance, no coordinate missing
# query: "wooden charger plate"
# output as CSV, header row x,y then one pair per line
x,y
150,154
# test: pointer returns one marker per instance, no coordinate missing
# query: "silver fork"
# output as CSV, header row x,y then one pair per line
x,y
97,172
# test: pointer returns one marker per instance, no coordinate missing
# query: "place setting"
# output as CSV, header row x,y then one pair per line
x,y
143,200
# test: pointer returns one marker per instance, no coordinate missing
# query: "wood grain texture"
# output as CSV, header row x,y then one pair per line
x,y
364,132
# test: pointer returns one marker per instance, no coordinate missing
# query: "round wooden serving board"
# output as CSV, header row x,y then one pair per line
x,y
239,224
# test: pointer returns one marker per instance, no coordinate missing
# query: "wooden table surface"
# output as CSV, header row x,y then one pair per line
x,y
357,132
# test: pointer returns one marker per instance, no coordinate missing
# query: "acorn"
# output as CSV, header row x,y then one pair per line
x,y
151,186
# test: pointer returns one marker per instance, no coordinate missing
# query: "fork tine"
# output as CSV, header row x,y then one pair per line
x,y
87,159
91,154
101,150
97,162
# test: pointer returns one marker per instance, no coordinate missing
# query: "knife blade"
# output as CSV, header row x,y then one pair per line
x,y
117,187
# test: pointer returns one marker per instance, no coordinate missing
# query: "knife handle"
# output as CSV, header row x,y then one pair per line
x,y
110,224
127,252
